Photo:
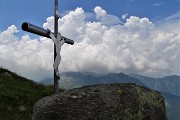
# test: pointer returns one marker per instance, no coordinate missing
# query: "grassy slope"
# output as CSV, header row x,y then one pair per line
x,y
17,92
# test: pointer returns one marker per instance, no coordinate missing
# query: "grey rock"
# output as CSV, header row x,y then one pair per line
x,y
7,74
102,102
22,108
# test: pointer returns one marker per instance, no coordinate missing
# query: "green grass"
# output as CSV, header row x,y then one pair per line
x,y
16,92
120,92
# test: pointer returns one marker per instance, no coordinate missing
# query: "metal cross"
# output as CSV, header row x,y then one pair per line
x,y
56,38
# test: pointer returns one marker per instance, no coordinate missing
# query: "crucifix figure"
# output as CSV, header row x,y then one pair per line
x,y
56,38
58,43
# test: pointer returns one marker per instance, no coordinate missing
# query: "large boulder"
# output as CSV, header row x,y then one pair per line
x,y
103,102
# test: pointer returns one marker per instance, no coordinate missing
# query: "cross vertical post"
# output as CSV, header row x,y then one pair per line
x,y
56,38
56,79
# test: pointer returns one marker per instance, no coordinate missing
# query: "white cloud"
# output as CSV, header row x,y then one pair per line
x,y
138,46
105,18
158,4
141,28
169,23
124,16
99,12
29,57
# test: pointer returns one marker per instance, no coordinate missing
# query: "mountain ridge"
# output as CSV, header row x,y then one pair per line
x,y
84,79
169,84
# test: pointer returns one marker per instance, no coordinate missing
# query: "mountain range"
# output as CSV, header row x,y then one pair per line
x,y
168,86
71,80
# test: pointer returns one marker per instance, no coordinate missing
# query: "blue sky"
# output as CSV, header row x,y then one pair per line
x,y
36,11
146,42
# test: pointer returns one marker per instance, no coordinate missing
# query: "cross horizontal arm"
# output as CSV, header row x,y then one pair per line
x,y
42,32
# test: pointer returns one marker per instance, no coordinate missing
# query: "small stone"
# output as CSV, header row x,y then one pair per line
x,y
22,108
74,97
83,94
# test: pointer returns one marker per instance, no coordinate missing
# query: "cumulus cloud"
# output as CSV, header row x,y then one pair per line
x,y
138,46
106,18
99,12
26,56
140,27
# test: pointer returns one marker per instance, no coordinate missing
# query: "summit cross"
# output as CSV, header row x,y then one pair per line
x,y
56,38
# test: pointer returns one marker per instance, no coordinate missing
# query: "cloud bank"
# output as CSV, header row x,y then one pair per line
x,y
138,46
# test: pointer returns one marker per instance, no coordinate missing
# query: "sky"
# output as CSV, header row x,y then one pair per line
x,y
130,36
